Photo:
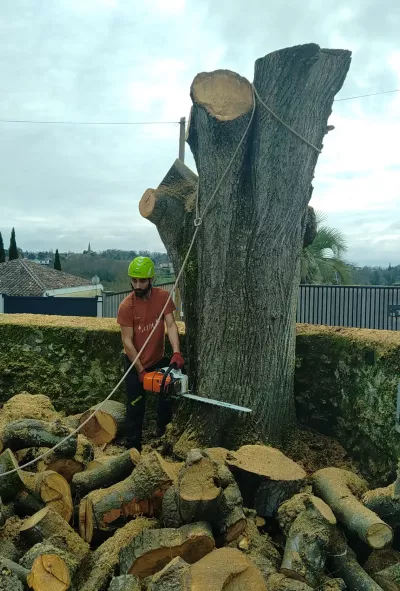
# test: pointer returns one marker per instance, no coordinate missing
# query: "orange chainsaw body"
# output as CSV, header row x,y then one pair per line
x,y
153,379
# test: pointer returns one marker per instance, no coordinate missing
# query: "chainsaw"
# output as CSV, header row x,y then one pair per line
x,y
170,381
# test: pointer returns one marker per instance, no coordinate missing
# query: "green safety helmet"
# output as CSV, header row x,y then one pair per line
x,y
141,268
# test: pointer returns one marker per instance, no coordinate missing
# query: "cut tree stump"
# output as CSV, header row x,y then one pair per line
x,y
389,578
34,433
226,569
103,510
109,472
11,484
152,549
105,424
342,489
46,525
385,503
252,228
52,489
98,570
346,567
266,477
175,576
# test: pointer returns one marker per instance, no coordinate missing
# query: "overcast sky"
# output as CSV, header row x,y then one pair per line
x,y
62,186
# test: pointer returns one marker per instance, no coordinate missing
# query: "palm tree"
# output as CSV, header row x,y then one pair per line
x,y
322,261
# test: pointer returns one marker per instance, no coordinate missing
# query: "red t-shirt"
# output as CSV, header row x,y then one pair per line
x,y
142,315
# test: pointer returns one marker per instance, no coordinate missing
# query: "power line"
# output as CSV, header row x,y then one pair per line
x,y
90,122
349,98
39,122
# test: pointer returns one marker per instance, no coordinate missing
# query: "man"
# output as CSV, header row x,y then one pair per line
x,y
137,316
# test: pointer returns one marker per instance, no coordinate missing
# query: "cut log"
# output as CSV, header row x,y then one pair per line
x,y
105,424
114,469
389,578
50,526
226,569
380,559
6,511
342,490
101,565
346,567
152,549
206,491
199,488
9,581
34,433
258,548
329,584
9,550
67,467
278,582
125,583
26,504
50,567
385,503
291,509
52,489
266,477
102,511
175,576
306,546
11,484
19,571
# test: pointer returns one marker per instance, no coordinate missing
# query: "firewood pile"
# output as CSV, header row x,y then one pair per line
x,y
92,516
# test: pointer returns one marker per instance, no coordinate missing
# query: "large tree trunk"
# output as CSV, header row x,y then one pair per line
x,y
241,283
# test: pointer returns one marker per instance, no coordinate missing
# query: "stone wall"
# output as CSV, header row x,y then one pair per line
x,y
345,382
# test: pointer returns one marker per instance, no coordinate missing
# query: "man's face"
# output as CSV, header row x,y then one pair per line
x,y
140,286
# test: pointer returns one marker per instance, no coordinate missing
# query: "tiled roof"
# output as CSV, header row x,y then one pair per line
x,y
27,278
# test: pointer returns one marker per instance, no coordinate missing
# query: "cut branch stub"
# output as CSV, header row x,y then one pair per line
x,y
342,490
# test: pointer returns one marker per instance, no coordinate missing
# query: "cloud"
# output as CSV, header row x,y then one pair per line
x,y
120,60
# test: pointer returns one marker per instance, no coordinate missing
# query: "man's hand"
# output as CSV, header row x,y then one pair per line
x,y
178,359
141,375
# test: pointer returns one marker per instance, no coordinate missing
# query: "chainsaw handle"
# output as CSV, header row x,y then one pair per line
x,y
170,368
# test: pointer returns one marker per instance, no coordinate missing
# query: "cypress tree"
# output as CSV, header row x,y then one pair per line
x,y
2,251
57,261
13,250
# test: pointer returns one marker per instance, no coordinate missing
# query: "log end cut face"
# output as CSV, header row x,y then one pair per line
x,y
379,535
224,94
49,573
267,462
101,428
200,482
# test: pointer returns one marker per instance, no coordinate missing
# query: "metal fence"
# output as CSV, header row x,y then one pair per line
x,y
61,306
368,306
355,306
112,301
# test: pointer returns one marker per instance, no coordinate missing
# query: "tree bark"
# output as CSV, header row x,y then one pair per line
x,y
389,578
11,484
240,286
34,433
124,583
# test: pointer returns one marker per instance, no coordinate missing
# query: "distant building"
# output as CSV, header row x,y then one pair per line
x,y
22,277
45,262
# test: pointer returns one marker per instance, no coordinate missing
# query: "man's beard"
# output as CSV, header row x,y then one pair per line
x,y
141,293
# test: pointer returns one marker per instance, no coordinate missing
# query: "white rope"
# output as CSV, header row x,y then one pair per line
x,y
197,222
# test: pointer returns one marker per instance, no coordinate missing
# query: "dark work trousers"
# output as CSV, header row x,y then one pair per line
x,y
136,405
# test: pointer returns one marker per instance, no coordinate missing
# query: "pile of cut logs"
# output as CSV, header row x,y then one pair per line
x,y
216,520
